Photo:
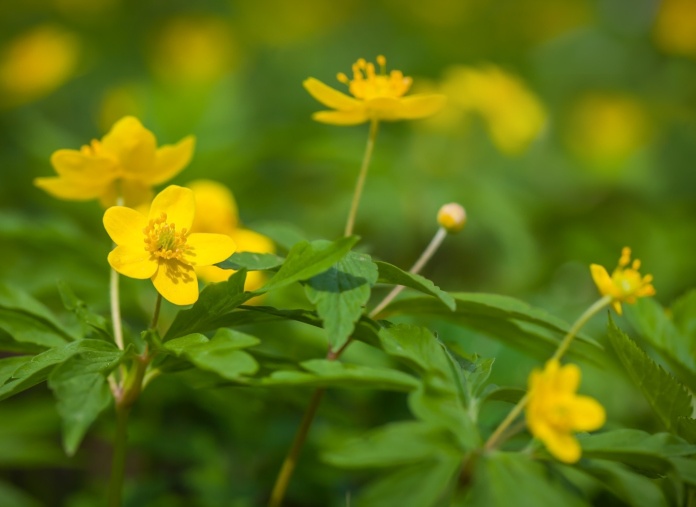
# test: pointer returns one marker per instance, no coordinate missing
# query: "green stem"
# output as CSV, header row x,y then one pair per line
x,y
283,479
118,461
361,177
495,438
155,315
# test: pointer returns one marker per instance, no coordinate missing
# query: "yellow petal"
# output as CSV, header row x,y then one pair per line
x,y
567,379
384,108
132,262
328,96
563,446
177,282
587,414
125,227
71,189
207,248
354,117
617,307
133,145
421,106
179,205
135,193
250,241
602,280
213,274
74,164
170,160
216,209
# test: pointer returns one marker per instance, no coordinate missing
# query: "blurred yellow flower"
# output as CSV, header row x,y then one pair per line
x,y
126,163
376,96
675,27
605,129
161,247
117,102
554,411
625,284
37,62
193,50
216,211
513,115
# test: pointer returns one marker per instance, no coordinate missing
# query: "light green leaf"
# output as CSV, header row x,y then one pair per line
x,y
388,273
633,489
80,387
500,477
216,300
325,373
9,365
306,260
251,261
221,354
340,294
666,395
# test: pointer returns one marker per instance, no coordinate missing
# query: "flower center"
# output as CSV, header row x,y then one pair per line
x,y
163,241
367,84
628,280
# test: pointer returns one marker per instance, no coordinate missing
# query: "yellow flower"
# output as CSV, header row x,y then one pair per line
x,y
625,284
217,212
375,97
160,246
675,27
554,410
125,162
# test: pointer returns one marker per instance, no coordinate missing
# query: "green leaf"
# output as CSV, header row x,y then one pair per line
x,y
507,394
26,328
80,387
633,489
686,469
426,484
306,260
388,273
9,365
395,444
513,322
666,395
90,321
340,294
325,373
251,261
654,325
14,497
221,354
37,369
15,300
684,316
216,300
500,477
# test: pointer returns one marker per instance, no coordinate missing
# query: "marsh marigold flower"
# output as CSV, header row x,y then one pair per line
x,y
126,163
160,247
554,410
375,96
216,211
625,284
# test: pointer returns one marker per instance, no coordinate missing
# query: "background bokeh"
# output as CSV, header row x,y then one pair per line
x,y
570,132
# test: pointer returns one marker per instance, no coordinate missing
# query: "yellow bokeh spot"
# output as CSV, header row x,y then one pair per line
x,y
116,103
675,27
194,50
37,62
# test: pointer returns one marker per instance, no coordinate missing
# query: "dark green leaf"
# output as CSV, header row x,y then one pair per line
x,y
506,394
216,300
90,321
26,328
325,373
306,260
15,300
633,489
391,274
251,261
340,294
80,387
666,395
14,497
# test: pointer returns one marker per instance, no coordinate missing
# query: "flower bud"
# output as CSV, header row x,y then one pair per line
x,y
451,217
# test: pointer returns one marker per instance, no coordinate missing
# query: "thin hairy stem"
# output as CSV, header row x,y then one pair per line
x,y
118,460
361,177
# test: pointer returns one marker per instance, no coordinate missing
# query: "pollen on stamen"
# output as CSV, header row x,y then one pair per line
x,y
342,78
382,62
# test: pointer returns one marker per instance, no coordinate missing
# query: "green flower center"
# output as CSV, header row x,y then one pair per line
x,y
162,239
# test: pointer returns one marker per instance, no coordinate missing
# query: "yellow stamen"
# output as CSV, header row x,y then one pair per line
x,y
162,239
367,84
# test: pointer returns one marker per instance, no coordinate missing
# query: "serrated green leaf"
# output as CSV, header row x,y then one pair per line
x,y
221,354
306,260
500,477
394,444
513,322
388,273
666,395
251,261
633,489
655,326
37,369
89,320
416,347
215,300
426,484
325,373
340,294
80,388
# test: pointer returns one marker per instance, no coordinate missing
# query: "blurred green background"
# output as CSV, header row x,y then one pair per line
x,y
570,132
